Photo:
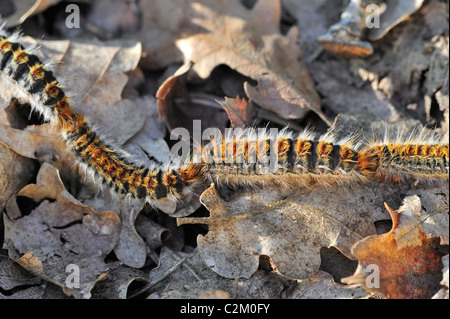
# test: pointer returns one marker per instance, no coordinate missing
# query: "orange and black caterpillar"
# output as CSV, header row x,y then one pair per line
x,y
252,159
109,165
302,160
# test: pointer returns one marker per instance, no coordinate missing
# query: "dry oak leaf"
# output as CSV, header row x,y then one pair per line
x,y
46,230
240,112
39,142
408,261
249,41
289,226
15,172
179,278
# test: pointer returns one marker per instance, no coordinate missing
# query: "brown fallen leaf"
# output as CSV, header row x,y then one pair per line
x,y
15,172
414,221
45,231
44,147
249,42
171,88
240,112
289,226
94,73
23,9
180,109
402,264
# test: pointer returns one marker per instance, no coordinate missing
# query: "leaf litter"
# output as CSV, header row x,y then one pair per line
x,y
114,82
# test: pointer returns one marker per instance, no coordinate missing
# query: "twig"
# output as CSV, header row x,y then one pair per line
x,y
164,276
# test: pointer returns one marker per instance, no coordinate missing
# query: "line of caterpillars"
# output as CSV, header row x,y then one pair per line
x,y
300,159
304,159
114,169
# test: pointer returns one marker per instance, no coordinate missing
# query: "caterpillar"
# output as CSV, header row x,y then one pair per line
x,y
109,165
248,158
305,159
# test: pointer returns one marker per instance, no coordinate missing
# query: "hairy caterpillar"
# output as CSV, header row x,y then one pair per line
x,y
47,97
302,160
297,160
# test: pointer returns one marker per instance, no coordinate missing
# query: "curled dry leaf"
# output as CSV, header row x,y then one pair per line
x,y
240,112
45,231
344,38
153,234
180,109
171,88
23,9
249,42
407,262
288,226
312,19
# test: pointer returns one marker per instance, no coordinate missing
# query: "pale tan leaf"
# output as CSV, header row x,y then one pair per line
x,y
288,226
253,46
47,231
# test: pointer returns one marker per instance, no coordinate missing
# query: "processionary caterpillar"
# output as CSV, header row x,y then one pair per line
x,y
296,160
